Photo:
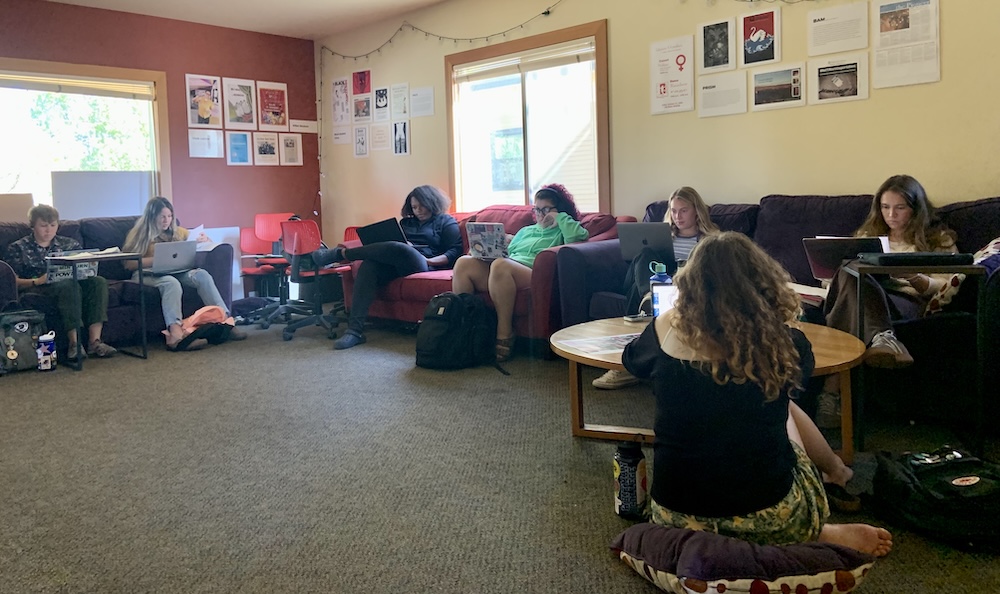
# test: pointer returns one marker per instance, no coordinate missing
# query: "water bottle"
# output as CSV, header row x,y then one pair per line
x,y
659,277
631,501
46,351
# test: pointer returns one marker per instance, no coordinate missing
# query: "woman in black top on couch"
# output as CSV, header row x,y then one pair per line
x,y
434,242
733,453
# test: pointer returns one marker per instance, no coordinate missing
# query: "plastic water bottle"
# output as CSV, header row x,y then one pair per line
x,y
46,351
631,501
660,277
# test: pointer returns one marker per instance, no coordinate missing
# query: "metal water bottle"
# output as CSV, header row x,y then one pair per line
x,y
46,351
659,277
631,499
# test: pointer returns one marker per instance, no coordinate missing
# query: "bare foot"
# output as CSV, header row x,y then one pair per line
x,y
860,537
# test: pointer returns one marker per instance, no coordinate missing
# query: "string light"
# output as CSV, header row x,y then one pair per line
x,y
428,34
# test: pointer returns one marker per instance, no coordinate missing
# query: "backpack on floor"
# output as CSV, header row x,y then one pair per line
x,y
947,494
457,331
19,332
209,322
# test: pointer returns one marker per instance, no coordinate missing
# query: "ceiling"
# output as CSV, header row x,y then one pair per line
x,y
305,19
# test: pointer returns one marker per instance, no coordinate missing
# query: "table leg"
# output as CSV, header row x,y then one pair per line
x,y
582,429
846,419
576,397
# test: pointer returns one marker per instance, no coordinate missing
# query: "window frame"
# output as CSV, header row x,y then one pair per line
x,y
596,29
161,130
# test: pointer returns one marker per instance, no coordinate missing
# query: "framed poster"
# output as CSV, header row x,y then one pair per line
x,y
238,148
716,46
362,109
290,146
204,94
401,137
265,148
361,82
239,100
272,106
834,80
778,87
381,107
360,142
760,38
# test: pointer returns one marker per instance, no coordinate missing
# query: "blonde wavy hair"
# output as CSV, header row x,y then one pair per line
x,y
692,197
733,308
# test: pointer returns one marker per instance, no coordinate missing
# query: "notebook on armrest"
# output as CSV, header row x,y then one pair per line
x,y
915,259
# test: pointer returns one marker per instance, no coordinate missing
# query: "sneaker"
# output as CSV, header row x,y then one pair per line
x,y
886,352
614,379
71,354
828,410
101,350
348,340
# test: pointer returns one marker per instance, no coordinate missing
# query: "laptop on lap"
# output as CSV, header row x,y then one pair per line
x,y
633,237
826,254
171,257
387,230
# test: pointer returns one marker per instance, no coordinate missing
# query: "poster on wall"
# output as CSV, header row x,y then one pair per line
x,y
272,101
238,148
716,43
381,108
837,29
401,137
290,149
361,82
362,109
834,80
204,100
360,142
399,101
341,102
722,94
342,135
760,38
265,148
671,75
421,102
205,144
379,140
238,103
778,87
906,43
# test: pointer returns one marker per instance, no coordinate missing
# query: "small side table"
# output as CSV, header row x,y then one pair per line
x,y
82,332
858,271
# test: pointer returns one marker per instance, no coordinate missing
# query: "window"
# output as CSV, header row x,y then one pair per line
x,y
531,112
72,118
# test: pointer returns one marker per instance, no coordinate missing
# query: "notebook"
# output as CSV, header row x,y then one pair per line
x,y
55,272
171,257
387,230
633,237
826,254
487,241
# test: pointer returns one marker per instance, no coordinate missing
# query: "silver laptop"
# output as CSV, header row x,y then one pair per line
x,y
487,241
171,257
84,269
633,237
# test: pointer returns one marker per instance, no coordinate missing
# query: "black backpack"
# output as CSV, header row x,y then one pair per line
x,y
457,331
19,332
947,494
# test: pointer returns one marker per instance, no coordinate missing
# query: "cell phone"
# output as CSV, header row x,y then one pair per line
x,y
642,317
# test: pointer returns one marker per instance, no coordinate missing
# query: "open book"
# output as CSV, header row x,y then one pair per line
x,y
87,254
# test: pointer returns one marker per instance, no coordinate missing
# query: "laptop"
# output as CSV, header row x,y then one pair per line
x,y
387,230
664,296
487,241
171,257
916,259
57,272
636,236
826,254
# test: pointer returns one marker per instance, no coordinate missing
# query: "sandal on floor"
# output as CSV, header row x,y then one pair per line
x,y
840,499
185,344
504,349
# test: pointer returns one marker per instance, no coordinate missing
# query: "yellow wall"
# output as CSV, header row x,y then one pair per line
x,y
946,134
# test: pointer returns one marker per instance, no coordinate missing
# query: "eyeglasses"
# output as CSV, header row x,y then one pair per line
x,y
543,210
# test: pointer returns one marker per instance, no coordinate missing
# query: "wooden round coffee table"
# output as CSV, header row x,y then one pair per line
x,y
599,343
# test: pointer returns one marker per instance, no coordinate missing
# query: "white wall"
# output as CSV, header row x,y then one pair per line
x,y
946,134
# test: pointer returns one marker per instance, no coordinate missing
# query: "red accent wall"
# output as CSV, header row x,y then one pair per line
x,y
205,191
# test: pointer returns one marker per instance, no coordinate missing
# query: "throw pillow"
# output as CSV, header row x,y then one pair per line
x,y
689,561
989,257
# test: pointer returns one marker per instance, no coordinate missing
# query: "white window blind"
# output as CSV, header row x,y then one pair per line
x,y
570,52
129,89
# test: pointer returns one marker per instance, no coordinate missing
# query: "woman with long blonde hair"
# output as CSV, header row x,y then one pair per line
x,y
158,224
733,453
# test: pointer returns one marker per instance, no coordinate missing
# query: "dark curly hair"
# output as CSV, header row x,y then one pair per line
x,y
561,199
429,197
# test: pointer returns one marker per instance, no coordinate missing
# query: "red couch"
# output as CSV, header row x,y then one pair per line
x,y
536,312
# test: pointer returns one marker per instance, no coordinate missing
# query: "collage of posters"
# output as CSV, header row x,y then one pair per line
x,y
254,115
376,118
905,51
